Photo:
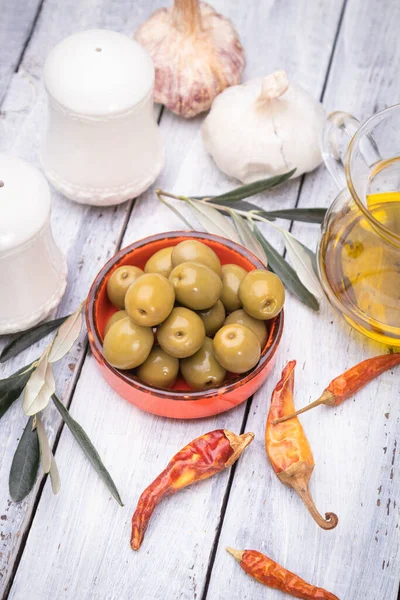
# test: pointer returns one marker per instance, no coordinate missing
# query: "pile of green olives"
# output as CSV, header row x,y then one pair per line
x,y
185,312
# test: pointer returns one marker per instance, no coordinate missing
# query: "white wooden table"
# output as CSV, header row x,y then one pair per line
x,y
76,545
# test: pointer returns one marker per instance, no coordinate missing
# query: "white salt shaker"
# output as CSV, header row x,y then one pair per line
x,y
33,272
103,145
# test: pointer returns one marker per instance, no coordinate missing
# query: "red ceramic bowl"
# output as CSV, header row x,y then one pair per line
x,y
180,402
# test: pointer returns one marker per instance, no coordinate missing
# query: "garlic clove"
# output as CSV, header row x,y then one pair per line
x,y
264,127
196,53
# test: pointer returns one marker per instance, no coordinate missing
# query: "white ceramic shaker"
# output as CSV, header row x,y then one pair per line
x,y
33,272
103,145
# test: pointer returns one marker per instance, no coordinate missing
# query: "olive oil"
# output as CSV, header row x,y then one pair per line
x,y
362,266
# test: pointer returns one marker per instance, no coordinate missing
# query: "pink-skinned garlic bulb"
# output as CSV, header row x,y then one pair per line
x,y
196,53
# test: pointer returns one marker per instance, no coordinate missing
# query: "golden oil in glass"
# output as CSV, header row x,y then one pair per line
x,y
363,267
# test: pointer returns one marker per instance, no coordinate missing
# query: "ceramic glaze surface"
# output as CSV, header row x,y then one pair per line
x,y
24,202
103,72
33,272
102,145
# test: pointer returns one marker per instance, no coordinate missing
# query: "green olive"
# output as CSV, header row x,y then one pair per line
x,y
182,334
262,294
160,262
150,299
202,370
213,318
194,251
159,369
196,286
256,325
127,345
236,348
120,314
232,275
119,282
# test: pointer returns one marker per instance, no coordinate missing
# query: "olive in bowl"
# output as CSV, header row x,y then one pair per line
x,y
182,400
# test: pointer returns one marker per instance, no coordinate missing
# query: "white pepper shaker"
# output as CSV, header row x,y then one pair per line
x,y
33,272
103,145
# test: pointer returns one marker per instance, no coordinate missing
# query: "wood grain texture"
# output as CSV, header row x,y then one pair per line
x,y
88,236
17,20
356,445
78,545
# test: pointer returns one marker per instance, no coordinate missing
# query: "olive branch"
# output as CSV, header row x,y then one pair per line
x,y
37,384
231,216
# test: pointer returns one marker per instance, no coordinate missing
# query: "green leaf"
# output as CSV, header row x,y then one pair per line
x,y
89,450
29,337
305,215
240,205
213,221
25,464
287,274
300,257
54,476
313,258
44,445
245,191
40,387
248,238
174,210
12,387
66,336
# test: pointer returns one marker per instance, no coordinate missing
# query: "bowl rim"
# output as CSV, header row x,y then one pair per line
x,y
170,394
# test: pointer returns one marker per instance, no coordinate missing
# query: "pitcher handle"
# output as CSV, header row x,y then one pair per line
x,y
337,124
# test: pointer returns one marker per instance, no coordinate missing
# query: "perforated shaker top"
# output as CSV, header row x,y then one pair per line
x,y
24,202
98,73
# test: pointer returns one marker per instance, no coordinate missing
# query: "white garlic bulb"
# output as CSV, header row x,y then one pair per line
x,y
263,128
196,54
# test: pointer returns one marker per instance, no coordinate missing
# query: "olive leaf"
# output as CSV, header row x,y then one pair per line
x,y
27,338
240,205
89,450
66,336
248,238
313,257
25,464
213,221
54,476
245,191
305,215
40,387
302,262
160,195
45,451
287,274
12,387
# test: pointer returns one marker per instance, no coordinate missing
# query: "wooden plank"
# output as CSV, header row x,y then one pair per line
x,y
87,236
355,446
89,539
17,20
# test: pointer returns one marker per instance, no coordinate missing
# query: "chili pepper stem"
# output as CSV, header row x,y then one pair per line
x,y
326,398
238,554
238,444
297,477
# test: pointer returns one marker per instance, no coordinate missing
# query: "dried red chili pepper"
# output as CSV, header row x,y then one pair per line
x,y
346,385
288,449
202,458
270,573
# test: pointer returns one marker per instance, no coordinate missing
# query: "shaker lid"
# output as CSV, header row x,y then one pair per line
x,y
24,202
98,73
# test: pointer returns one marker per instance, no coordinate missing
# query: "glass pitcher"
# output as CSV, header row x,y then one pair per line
x,y
359,251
